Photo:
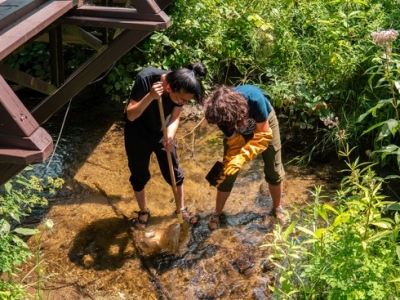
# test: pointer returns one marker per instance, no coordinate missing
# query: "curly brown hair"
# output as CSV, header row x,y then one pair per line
x,y
226,107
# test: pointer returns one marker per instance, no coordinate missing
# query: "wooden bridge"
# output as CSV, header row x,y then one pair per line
x,y
22,139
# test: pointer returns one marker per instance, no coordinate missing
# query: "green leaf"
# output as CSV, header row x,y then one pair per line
x,y
398,157
379,235
18,241
372,110
323,214
391,177
289,230
389,148
23,181
384,225
373,127
340,219
296,256
8,187
364,245
311,241
5,294
307,231
16,217
117,85
329,207
393,206
26,231
353,13
398,252
5,227
276,291
389,127
365,3
319,232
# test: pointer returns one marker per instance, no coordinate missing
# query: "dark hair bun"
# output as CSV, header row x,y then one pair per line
x,y
198,68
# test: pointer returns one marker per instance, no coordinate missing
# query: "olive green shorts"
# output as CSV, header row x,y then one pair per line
x,y
273,167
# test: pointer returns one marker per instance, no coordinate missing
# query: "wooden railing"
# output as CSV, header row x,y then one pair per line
x,y
22,140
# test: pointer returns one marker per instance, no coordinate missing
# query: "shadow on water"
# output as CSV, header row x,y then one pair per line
x,y
101,245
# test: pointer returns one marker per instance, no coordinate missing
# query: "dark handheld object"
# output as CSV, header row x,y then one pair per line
x,y
215,173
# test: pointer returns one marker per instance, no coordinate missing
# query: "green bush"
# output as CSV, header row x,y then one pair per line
x,y
349,251
17,199
315,58
343,248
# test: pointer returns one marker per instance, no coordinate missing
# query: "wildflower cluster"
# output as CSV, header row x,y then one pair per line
x,y
328,122
385,38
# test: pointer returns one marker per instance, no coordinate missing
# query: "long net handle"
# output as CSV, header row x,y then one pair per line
x,y
171,168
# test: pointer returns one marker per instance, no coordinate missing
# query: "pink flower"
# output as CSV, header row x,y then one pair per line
x,y
384,37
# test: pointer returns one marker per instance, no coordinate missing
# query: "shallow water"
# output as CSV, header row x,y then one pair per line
x,y
93,253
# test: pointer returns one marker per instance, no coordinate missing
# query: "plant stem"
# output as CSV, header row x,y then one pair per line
x,y
387,75
367,221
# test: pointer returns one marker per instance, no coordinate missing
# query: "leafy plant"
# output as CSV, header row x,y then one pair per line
x,y
387,122
314,58
345,249
310,56
17,199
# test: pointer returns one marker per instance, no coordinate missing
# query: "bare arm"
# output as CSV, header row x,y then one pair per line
x,y
263,127
135,108
172,127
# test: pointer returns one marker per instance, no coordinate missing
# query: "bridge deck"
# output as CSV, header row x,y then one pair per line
x,y
20,25
22,140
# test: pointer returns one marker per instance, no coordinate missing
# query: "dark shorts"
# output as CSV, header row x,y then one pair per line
x,y
139,150
273,167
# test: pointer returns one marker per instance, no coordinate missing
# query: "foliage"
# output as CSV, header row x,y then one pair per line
x,y
387,121
348,250
316,59
350,254
310,56
32,59
17,199
119,81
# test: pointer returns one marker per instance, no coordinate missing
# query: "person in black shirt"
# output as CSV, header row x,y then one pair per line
x,y
143,133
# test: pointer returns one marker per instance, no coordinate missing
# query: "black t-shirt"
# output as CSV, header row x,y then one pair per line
x,y
149,123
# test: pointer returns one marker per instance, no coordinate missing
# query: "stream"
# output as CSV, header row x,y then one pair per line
x,y
92,252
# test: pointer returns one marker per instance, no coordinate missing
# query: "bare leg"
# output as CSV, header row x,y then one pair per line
x,y
220,201
222,197
276,194
141,200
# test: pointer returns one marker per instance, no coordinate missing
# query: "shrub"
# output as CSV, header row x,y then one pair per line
x,y
17,199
